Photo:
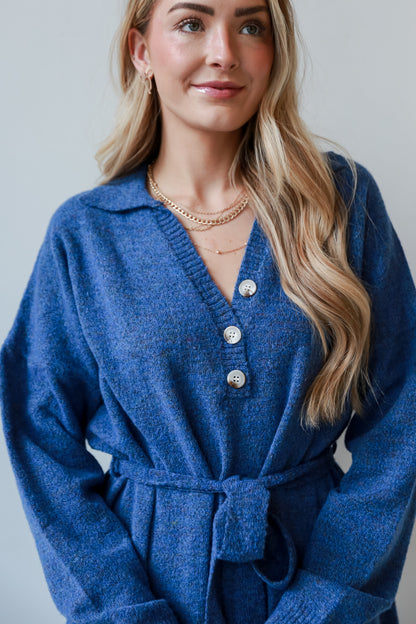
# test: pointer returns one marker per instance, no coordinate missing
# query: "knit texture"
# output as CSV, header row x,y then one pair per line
x,y
219,507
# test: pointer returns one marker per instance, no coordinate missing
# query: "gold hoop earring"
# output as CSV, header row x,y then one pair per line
x,y
148,82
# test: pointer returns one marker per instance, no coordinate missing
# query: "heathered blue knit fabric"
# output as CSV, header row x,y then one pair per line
x,y
219,507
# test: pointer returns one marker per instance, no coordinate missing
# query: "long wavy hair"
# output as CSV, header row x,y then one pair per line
x,y
293,194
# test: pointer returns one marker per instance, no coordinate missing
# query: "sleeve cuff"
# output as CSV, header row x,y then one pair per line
x,y
312,599
153,612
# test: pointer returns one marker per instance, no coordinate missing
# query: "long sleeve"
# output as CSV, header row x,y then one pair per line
x,y
49,390
355,556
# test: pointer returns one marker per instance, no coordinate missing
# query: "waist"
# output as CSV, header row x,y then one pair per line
x,y
164,478
245,528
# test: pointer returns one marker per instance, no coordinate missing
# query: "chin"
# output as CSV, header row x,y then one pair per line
x,y
222,123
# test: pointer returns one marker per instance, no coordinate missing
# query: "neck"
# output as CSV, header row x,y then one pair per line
x,y
196,165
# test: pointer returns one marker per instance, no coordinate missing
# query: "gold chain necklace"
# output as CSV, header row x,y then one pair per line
x,y
204,228
236,202
211,222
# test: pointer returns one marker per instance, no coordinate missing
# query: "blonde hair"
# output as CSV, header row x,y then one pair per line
x,y
293,194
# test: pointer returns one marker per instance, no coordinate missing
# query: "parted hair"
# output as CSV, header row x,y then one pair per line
x,y
292,191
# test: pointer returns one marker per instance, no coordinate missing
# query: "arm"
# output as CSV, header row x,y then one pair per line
x,y
49,390
355,556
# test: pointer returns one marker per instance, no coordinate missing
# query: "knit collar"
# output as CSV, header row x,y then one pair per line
x,y
130,193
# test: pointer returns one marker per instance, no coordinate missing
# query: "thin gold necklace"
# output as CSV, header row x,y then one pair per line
x,y
211,222
221,253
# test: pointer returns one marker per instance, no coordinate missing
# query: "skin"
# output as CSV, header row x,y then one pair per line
x,y
211,64
184,48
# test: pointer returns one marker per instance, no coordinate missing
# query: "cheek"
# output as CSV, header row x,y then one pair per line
x,y
264,73
262,63
260,68
174,61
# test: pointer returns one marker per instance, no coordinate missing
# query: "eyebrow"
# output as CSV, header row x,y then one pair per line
x,y
193,7
202,8
250,10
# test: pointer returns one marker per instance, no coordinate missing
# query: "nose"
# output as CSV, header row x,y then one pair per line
x,y
222,50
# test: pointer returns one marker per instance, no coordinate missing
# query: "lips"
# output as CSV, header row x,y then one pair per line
x,y
218,84
219,89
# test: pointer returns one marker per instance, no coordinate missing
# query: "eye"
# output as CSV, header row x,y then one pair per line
x,y
253,29
191,25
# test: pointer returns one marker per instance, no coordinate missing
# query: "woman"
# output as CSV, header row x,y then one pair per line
x,y
214,316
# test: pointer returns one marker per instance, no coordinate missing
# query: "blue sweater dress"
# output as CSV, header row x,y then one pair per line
x,y
219,507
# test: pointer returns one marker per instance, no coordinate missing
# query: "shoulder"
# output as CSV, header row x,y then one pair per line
x,y
353,180
371,235
372,239
359,191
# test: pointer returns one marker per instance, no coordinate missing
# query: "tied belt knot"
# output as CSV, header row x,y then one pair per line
x,y
239,530
245,527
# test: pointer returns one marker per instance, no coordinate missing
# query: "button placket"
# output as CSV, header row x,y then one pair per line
x,y
234,356
232,334
235,378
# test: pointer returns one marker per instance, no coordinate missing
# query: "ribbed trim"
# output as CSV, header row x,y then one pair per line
x,y
152,612
223,314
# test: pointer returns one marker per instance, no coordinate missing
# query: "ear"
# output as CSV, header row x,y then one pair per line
x,y
139,51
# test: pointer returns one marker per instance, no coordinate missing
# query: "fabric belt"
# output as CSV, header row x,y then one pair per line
x,y
244,528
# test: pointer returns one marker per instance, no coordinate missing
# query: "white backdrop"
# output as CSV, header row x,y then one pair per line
x,y
58,103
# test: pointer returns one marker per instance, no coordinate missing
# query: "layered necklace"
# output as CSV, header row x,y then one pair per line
x,y
227,214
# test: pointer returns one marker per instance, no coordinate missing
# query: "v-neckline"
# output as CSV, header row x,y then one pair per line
x,y
196,268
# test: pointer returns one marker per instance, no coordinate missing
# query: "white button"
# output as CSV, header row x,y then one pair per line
x,y
247,288
236,379
232,334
